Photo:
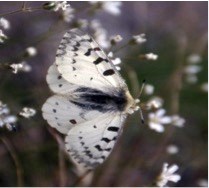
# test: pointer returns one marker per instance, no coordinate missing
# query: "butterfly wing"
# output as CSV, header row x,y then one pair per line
x,y
91,142
81,62
62,114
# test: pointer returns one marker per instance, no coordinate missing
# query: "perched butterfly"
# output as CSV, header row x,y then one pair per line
x,y
92,100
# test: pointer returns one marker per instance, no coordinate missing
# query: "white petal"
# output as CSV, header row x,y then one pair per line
x,y
174,178
165,120
157,127
160,112
172,169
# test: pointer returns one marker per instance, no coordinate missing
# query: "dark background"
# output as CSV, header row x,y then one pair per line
x,y
174,31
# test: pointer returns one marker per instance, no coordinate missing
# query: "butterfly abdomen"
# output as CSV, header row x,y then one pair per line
x,y
93,99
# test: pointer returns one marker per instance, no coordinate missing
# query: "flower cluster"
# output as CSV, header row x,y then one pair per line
x,y
4,24
27,112
6,119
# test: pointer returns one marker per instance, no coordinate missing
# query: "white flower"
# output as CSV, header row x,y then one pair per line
x,y
139,39
192,69
167,174
27,112
157,119
148,89
172,149
112,7
204,87
194,58
68,14
31,51
3,37
177,121
4,23
63,5
115,39
115,61
83,23
202,182
100,34
6,119
23,66
155,102
151,56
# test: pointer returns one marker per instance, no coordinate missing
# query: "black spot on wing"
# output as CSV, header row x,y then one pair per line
x,y
113,129
109,72
99,60
73,121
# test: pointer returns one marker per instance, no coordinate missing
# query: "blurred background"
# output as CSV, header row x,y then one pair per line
x,y
175,31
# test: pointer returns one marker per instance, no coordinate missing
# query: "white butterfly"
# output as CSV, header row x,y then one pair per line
x,y
91,101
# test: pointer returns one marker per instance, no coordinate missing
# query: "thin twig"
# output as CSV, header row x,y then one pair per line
x,y
19,170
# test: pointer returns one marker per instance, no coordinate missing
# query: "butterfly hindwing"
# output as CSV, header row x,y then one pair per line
x,y
90,143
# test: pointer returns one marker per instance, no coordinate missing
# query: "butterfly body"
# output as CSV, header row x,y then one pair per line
x,y
91,99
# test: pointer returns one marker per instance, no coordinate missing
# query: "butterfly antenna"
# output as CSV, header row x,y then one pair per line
x,y
140,93
142,88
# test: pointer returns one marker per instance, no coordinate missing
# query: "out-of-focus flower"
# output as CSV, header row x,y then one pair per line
x,y
63,5
172,149
27,112
82,23
177,121
23,66
6,119
3,37
194,58
157,119
139,39
168,174
151,56
202,182
192,69
154,103
115,39
100,34
68,14
148,89
111,7
115,61
4,23
204,87
31,51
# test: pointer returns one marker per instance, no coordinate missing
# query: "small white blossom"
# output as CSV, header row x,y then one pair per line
x,y
3,37
115,61
63,5
172,149
151,56
83,23
27,112
204,87
202,182
31,51
157,119
168,174
115,39
111,7
194,58
4,23
139,39
178,121
23,66
100,34
155,102
6,119
148,89
68,14
192,69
